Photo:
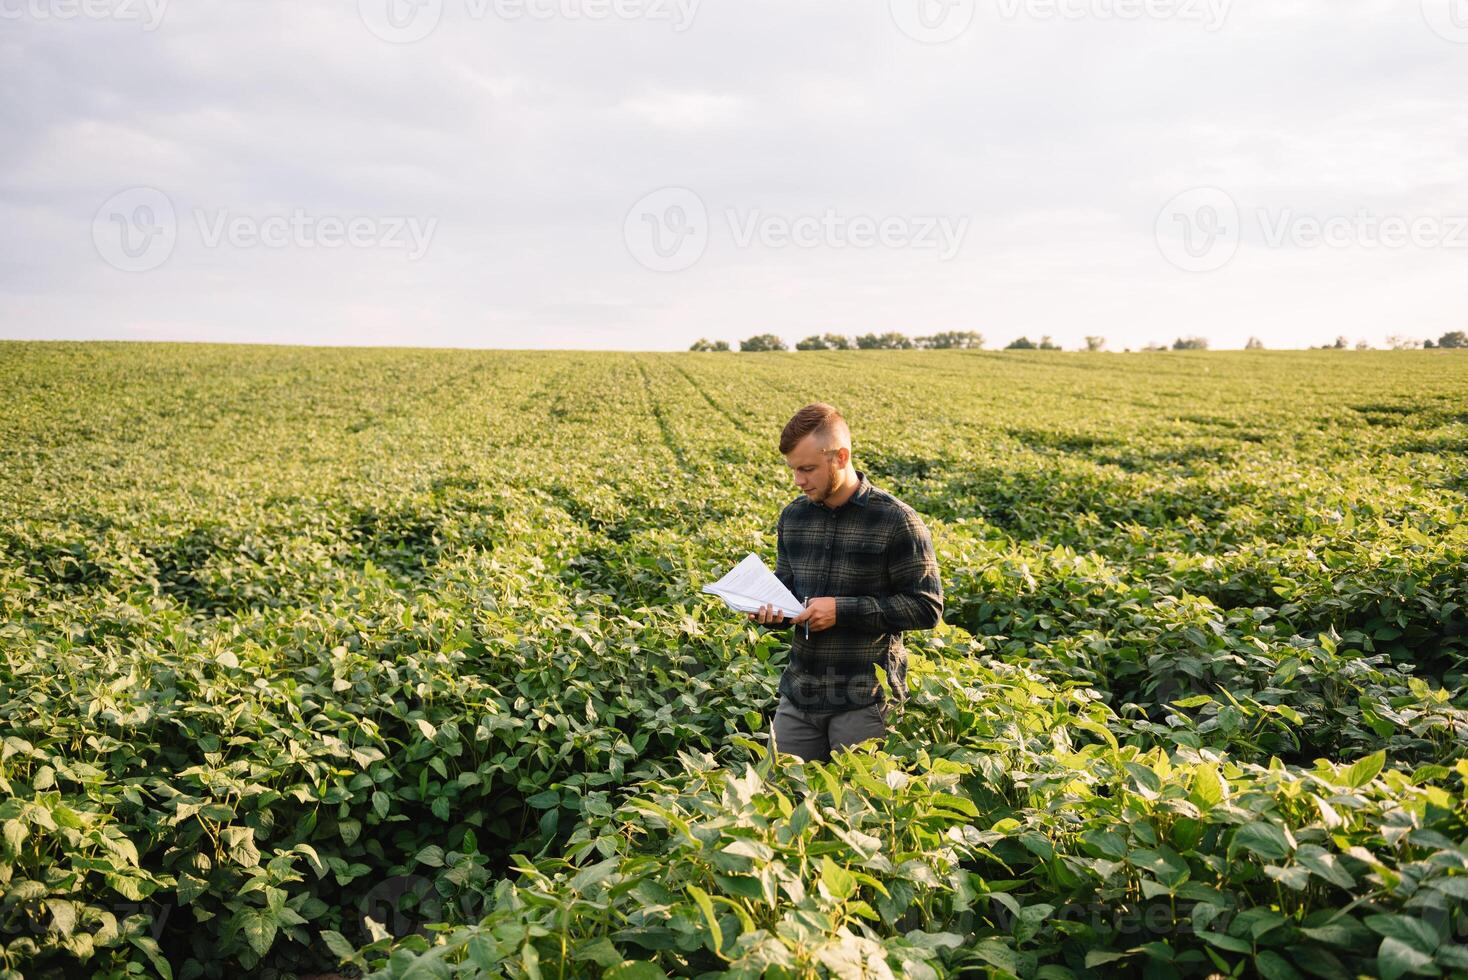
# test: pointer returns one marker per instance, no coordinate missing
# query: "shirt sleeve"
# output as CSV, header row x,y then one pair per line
x,y
915,598
783,571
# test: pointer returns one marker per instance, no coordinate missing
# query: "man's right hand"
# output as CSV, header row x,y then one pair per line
x,y
769,616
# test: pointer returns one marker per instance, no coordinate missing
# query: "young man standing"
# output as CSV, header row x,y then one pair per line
x,y
863,562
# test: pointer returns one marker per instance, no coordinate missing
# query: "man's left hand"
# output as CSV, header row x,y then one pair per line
x,y
819,613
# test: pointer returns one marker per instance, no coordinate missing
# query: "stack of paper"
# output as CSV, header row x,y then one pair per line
x,y
750,585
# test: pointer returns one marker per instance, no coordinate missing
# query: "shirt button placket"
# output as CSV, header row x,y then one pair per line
x,y
830,534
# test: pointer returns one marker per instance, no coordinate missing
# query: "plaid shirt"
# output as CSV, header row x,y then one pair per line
x,y
875,556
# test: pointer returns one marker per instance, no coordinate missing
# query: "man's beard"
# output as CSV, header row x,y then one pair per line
x,y
822,493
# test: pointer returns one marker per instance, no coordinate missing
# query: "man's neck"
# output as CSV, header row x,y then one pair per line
x,y
847,491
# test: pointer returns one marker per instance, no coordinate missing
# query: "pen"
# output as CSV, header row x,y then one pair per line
x,y
807,622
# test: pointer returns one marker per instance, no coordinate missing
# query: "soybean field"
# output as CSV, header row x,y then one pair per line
x,y
394,662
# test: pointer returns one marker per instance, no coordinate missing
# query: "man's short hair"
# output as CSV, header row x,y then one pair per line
x,y
820,418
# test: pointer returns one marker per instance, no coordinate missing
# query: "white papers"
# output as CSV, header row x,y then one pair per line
x,y
750,585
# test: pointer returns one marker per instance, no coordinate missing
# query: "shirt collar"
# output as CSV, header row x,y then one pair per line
x,y
857,499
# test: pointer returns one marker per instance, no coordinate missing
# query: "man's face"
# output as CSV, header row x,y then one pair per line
x,y
813,470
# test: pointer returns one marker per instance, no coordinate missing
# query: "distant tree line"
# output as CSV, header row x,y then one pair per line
x,y
973,340
1025,343
1452,340
891,340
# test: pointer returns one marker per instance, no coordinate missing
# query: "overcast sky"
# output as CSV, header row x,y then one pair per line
x,y
636,174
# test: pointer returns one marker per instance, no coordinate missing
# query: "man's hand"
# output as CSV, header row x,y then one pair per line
x,y
767,616
819,613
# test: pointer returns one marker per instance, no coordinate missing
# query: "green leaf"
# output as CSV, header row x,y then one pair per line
x,y
1106,842
1324,864
753,849
149,947
836,881
1095,728
1294,876
63,916
259,930
635,970
716,935
1231,943
1343,932
338,944
1100,957
599,951
135,889
15,835
239,844
996,952
595,874
529,961
1365,770
1263,838
1404,928
1208,788
189,888
1272,966
1395,958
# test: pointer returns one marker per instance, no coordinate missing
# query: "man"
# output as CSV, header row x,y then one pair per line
x,y
863,562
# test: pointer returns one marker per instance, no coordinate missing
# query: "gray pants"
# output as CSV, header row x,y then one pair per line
x,y
813,736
